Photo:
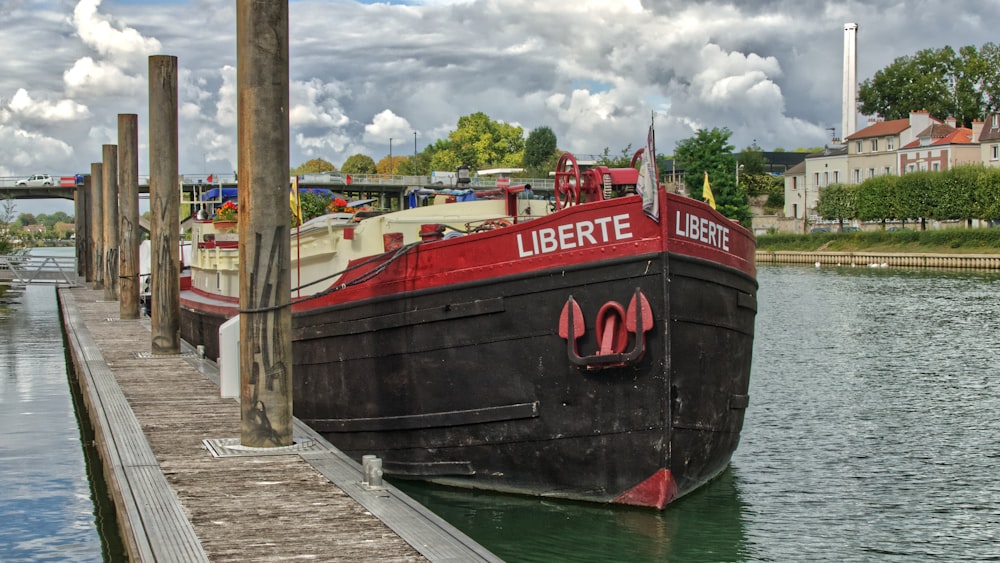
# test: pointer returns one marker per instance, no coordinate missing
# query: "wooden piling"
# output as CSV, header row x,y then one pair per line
x,y
82,210
164,206
110,192
264,223
97,223
128,225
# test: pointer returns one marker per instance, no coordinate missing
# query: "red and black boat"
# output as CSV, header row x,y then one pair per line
x,y
596,349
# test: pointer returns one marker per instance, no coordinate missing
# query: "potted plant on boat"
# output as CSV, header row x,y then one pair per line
x,y
226,217
340,208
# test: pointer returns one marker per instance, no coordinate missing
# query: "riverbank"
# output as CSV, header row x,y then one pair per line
x,y
905,241
882,259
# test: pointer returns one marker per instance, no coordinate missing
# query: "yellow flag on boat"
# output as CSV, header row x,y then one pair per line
x,y
706,192
293,200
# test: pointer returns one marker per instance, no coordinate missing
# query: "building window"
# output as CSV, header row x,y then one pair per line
x,y
889,144
888,170
871,172
936,166
996,121
857,147
996,152
836,176
816,178
857,175
874,145
826,178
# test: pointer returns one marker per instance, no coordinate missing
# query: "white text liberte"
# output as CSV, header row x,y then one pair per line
x,y
702,230
575,235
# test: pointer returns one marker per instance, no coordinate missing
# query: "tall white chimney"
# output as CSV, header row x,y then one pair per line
x,y
850,109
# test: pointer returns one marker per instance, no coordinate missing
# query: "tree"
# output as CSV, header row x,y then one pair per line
x,y
752,160
915,197
876,200
987,206
621,161
314,166
955,193
7,211
400,165
710,151
480,142
963,84
839,202
359,164
540,152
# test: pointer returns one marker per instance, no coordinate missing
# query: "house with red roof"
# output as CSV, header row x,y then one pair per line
x,y
989,141
938,147
872,151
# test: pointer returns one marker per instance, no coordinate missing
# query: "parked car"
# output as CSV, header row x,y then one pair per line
x,y
850,230
819,230
36,180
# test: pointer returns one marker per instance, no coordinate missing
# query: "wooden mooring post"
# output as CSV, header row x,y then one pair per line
x,y
97,223
81,228
109,173
164,206
264,223
128,209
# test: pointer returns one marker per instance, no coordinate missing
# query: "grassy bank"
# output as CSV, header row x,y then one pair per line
x,y
953,241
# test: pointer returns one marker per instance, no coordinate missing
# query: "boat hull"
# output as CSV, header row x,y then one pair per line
x,y
472,386
460,362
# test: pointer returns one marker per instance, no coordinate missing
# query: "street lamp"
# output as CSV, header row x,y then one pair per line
x,y
414,153
390,156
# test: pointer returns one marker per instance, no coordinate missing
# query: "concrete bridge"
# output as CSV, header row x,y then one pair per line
x,y
64,186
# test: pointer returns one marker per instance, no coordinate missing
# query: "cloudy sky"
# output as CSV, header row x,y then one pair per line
x,y
362,72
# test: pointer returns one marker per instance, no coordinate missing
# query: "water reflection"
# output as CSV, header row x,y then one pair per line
x,y
45,494
704,526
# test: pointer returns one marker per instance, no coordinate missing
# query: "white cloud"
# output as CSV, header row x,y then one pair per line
x,y
360,73
23,107
386,125
119,43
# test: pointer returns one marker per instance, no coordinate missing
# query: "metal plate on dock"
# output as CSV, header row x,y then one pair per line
x,y
231,447
150,355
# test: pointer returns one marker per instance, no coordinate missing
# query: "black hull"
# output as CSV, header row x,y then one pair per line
x,y
472,386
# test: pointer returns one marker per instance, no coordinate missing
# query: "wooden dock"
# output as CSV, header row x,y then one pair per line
x,y
186,491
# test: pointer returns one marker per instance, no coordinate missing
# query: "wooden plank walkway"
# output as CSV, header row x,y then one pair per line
x,y
177,502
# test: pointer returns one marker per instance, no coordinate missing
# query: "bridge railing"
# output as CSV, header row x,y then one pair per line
x,y
28,269
543,184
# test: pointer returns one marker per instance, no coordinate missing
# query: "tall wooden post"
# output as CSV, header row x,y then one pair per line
x,y
264,217
81,231
97,222
128,208
110,192
164,206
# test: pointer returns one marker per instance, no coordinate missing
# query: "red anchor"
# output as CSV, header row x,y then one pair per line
x,y
612,327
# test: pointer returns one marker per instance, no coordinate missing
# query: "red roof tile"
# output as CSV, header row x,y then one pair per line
x,y
881,129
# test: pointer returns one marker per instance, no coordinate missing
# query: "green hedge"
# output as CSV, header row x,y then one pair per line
x,y
970,239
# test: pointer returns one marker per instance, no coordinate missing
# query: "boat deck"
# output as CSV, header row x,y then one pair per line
x,y
183,493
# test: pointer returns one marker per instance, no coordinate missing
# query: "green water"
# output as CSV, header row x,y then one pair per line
x,y
872,435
